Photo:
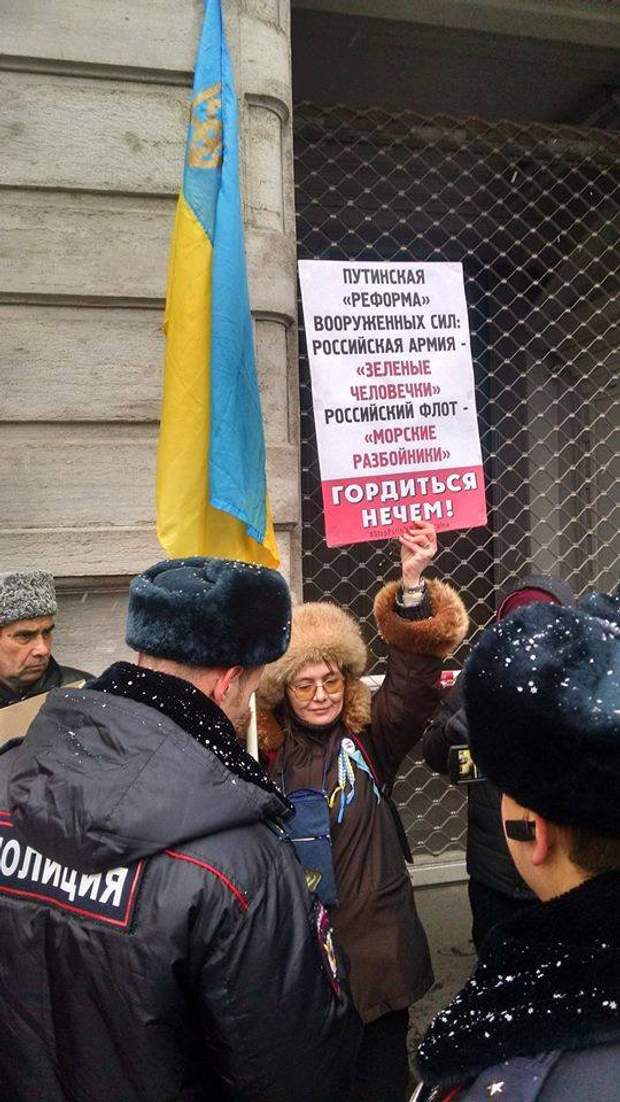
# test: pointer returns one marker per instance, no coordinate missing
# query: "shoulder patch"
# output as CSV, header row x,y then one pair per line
x,y
107,897
327,949
520,1079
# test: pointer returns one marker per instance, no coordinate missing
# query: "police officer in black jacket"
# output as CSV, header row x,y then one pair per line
x,y
539,1020
158,940
496,890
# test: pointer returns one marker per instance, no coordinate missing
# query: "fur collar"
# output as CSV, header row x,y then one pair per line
x,y
549,978
355,717
438,634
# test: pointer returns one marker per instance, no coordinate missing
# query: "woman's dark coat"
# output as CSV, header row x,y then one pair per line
x,y
375,920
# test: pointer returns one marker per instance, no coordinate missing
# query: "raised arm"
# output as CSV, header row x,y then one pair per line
x,y
422,622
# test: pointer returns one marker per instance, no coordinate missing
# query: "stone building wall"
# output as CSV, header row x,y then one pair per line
x,y
95,99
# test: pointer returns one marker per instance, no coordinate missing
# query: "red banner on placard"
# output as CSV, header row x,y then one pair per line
x,y
357,510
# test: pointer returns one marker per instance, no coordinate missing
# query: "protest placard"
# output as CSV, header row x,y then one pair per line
x,y
393,393
15,719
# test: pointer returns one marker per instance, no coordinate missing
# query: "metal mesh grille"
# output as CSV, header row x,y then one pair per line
x,y
533,214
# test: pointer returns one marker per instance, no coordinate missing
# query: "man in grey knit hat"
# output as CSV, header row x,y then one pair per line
x,y
27,609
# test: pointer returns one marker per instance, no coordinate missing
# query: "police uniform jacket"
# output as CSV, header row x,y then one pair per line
x,y
157,939
539,1021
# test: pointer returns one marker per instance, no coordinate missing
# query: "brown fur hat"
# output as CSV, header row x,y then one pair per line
x,y
324,632
320,632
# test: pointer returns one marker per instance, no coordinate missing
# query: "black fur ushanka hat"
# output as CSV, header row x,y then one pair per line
x,y
542,696
209,612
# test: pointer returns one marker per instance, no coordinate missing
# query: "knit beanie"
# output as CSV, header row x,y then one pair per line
x,y
24,596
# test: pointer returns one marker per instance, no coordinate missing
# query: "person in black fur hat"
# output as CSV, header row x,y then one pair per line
x,y
540,1018
158,940
495,888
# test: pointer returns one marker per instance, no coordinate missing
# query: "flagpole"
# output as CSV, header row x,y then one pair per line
x,y
252,740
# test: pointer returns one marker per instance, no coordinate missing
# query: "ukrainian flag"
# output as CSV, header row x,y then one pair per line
x,y
211,485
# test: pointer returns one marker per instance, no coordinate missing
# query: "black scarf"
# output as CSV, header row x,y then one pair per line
x,y
190,709
548,978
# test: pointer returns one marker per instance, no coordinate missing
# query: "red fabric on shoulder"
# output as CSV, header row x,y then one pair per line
x,y
523,597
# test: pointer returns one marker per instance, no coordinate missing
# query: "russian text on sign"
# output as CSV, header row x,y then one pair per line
x,y
396,489
383,275
370,326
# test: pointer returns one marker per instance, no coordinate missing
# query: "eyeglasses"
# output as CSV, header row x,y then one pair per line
x,y
332,685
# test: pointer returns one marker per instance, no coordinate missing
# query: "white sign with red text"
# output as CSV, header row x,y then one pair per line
x,y
393,393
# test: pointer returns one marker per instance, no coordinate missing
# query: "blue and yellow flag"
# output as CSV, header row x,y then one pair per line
x,y
211,485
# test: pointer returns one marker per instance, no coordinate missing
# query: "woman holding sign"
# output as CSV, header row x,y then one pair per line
x,y
336,752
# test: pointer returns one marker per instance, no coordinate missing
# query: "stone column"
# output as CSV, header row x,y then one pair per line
x,y
258,33
96,97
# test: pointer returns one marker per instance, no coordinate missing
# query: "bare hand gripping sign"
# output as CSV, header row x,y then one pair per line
x,y
394,404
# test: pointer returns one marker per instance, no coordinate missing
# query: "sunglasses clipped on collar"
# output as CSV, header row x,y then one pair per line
x,y
332,685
